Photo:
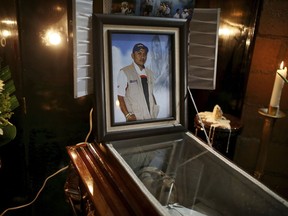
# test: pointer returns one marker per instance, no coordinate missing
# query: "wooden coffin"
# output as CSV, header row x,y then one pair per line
x,y
98,185
164,175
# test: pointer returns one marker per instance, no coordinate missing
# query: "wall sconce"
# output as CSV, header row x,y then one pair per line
x,y
228,29
55,33
5,33
52,37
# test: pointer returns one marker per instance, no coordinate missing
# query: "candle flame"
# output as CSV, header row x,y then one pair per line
x,y
282,65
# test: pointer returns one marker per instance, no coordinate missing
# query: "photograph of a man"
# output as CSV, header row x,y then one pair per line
x,y
135,84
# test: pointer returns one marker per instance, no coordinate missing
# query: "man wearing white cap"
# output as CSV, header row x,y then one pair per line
x,y
135,87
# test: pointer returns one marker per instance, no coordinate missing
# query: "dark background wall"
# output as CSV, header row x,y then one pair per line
x,y
271,48
49,118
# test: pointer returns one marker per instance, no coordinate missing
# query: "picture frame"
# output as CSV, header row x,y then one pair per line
x,y
114,38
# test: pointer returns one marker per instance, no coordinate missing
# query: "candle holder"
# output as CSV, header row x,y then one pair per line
x,y
271,114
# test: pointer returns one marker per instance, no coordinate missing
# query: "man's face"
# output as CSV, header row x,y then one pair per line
x,y
140,57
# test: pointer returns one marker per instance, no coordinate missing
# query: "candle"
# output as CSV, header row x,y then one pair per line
x,y
278,85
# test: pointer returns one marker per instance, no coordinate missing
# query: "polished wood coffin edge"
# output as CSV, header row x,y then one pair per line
x,y
109,187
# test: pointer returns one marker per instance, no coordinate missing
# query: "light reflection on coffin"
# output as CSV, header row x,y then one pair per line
x,y
174,174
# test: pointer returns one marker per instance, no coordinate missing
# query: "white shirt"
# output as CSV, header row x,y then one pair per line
x,y
122,79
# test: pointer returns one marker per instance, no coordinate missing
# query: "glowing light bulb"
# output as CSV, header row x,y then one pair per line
x,y
54,38
6,33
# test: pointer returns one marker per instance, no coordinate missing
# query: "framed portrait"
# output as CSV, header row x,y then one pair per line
x,y
140,76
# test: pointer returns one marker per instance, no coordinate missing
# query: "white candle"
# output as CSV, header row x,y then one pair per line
x,y
278,85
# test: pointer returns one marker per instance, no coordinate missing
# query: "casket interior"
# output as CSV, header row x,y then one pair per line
x,y
189,178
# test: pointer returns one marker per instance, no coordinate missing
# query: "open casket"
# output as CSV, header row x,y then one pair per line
x,y
154,167
175,174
